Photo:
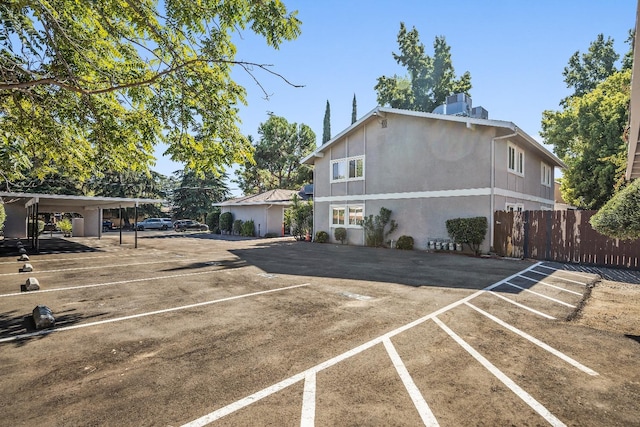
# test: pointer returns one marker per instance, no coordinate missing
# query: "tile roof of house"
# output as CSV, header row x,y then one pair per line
x,y
277,196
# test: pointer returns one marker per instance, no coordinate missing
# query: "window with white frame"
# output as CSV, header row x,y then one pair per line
x,y
351,168
515,162
545,174
514,207
347,216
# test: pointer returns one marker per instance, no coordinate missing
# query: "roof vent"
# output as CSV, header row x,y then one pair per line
x,y
460,105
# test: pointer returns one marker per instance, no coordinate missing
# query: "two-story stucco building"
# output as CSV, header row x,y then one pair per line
x,y
427,168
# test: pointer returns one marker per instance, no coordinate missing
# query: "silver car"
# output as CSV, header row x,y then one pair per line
x,y
154,224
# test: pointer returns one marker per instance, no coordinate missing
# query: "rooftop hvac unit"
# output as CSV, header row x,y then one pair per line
x,y
479,113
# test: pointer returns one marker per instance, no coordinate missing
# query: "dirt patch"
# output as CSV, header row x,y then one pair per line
x,y
613,307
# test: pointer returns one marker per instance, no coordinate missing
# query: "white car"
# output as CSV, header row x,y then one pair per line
x,y
154,224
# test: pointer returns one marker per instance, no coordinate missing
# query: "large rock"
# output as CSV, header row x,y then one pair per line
x,y
32,284
43,317
26,268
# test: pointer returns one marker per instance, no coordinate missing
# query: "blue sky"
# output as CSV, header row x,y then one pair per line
x,y
515,51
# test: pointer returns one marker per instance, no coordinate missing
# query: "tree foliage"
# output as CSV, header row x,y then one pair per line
x,y
326,124
3,215
195,195
93,86
585,71
430,79
354,110
301,217
588,136
277,157
620,217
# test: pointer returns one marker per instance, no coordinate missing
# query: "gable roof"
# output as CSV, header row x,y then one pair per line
x,y
271,197
381,112
633,155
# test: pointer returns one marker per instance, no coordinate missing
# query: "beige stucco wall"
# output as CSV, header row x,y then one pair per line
x,y
266,218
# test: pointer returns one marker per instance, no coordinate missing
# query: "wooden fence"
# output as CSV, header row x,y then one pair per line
x,y
563,236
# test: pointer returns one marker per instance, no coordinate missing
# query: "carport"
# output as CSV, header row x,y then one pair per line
x,y
22,211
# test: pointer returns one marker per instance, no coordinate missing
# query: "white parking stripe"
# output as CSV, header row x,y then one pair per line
x,y
551,286
539,313
308,417
526,397
567,271
418,400
150,313
535,341
94,267
120,282
541,295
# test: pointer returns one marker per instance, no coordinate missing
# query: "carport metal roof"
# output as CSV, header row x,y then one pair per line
x,y
85,202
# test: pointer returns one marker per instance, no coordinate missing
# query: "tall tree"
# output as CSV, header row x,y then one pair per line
x,y
430,79
588,133
93,86
354,110
195,194
277,157
588,136
586,70
326,125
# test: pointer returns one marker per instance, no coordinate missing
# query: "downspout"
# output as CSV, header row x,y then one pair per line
x,y
493,183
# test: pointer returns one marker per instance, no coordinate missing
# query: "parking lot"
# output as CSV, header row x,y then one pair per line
x,y
188,329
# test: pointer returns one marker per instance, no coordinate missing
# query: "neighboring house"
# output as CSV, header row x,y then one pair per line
x,y
266,210
428,168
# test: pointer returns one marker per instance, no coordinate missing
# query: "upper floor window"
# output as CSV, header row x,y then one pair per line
x,y
514,207
545,174
347,169
515,162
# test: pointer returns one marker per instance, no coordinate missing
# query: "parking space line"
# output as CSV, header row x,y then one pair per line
x,y
515,388
539,313
32,259
551,286
95,267
120,282
541,295
150,313
562,278
308,416
567,271
535,341
416,396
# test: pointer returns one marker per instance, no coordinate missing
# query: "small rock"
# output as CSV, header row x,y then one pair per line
x,y
22,251
23,257
43,317
32,284
26,268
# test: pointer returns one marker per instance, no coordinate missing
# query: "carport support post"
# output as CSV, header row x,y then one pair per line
x,y
135,225
120,224
36,235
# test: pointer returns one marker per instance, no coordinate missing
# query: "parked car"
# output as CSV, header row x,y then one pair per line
x,y
107,225
154,224
189,224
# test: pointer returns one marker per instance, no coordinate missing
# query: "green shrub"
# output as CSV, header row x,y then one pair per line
x,y
40,226
374,228
468,230
226,222
619,218
322,237
3,216
65,226
300,217
237,226
405,242
213,219
340,234
248,229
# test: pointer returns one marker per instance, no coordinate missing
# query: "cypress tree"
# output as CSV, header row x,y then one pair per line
x,y
354,110
326,132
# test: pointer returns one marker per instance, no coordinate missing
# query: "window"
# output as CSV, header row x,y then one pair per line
x,y
349,216
337,216
545,174
514,207
515,162
355,215
351,168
